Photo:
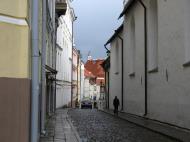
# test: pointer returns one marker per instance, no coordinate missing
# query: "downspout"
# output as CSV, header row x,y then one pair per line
x,y
80,79
35,73
77,75
105,89
54,54
80,82
108,51
122,83
108,89
43,68
106,48
74,19
72,66
146,67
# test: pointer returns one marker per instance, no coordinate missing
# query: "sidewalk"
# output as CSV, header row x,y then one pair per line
x,y
60,129
165,129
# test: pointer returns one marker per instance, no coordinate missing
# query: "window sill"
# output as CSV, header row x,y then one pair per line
x,y
132,74
187,64
155,70
116,73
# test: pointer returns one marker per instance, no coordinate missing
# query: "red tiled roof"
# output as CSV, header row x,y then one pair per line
x,y
88,73
94,66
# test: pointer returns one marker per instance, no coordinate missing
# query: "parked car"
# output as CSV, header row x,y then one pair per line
x,y
86,104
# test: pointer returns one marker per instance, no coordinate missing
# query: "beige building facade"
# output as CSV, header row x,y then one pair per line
x,y
15,72
16,68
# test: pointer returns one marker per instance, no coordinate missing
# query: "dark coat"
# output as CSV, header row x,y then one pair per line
x,y
116,102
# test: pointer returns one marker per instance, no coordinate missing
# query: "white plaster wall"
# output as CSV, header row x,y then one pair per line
x,y
187,30
98,92
168,101
91,88
115,71
63,96
59,97
82,81
86,88
64,56
134,91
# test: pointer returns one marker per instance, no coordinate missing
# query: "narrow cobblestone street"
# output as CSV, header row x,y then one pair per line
x,y
96,126
60,129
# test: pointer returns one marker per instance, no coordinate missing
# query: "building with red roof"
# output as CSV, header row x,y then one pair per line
x,y
94,66
94,79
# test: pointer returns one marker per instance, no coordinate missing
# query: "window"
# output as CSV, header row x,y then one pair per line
x,y
187,32
117,56
94,88
152,36
132,46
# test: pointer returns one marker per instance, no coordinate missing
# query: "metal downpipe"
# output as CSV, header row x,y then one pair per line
x,y
146,60
108,103
122,82
35,76
43,68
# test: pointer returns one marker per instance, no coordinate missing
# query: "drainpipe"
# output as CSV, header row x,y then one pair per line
x,y
80,79
75,18
54,57
77,75
72,67
35,70
122,84
108,51
108,89
43,68
146,67
105,88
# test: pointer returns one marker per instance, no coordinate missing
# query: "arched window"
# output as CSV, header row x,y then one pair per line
x,y
132,46
153,36
187,32
117,56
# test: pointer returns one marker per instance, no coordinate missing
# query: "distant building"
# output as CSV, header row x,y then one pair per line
x,y
93,66
82,81
89,84
74,76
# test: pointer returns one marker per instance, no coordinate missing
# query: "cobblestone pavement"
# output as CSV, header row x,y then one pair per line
x,y
60,129
96,126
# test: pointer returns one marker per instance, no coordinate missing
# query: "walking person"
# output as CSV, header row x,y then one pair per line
x,y
116,105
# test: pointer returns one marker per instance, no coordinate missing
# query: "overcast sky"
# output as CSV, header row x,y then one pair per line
x,y
96,22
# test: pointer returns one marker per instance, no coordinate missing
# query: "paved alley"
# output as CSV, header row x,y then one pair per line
x,y
60,129
96,126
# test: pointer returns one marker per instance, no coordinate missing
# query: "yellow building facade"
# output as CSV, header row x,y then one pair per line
x,y
15,71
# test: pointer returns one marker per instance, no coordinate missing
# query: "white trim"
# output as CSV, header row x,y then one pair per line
x,y
100,78
11,20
